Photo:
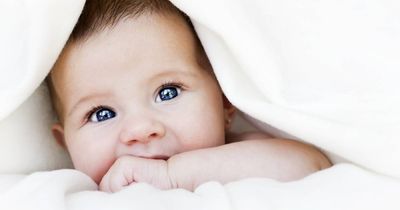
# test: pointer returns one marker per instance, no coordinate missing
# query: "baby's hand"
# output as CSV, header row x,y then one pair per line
x,y
129,169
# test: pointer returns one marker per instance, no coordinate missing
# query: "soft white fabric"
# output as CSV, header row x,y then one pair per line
x,y
26,142
32,35
69,189
323,72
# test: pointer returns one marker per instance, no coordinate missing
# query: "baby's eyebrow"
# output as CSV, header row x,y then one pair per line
x,y
173,73
86,98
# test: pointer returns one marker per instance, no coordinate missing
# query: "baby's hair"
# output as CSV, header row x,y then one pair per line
x,y
98,15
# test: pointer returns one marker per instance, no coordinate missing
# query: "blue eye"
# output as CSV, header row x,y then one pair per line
x,y
100,114
168,93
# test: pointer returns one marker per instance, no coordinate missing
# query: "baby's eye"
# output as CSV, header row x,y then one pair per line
x,y
168,93
100,114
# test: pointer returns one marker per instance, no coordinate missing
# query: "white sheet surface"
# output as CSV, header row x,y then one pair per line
x,y
324,72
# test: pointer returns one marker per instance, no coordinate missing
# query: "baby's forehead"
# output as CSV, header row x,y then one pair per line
x,y
83,32
99,49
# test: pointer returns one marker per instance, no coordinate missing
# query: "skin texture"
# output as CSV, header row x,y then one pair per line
x,y
172,143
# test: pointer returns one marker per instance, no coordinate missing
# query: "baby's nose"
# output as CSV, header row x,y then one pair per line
x,y
142,130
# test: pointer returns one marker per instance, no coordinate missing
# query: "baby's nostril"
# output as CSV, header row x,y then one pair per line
x,y
153,135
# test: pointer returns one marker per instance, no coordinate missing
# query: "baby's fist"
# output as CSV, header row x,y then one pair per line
x,y
129,169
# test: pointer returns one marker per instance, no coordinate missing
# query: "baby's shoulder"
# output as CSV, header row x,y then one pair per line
x,y
249,135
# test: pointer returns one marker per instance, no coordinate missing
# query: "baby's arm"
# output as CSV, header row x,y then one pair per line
x,y
254,156
278,159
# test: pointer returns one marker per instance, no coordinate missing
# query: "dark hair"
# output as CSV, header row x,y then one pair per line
x,y
99,14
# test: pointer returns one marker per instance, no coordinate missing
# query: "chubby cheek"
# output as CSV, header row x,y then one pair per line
x,y
201,129
91,155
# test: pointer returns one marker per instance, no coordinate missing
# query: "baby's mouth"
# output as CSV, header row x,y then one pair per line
x,y
156,157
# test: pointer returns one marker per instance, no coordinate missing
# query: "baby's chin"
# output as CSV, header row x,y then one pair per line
x,y
96,176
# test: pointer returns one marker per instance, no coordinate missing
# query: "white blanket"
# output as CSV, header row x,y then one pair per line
x,y
324,72
343,187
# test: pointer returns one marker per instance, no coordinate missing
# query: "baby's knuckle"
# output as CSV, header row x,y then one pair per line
x,y
121,161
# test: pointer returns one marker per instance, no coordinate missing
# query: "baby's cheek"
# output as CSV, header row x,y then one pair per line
x,y
92,152
98,170
205,140
93,165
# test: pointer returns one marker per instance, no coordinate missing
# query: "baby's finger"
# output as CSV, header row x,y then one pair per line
x,y
105,183
119,179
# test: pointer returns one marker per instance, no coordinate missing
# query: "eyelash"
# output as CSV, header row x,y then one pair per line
x,y
93,110
170,84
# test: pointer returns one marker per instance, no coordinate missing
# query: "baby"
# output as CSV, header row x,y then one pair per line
x,y
137,101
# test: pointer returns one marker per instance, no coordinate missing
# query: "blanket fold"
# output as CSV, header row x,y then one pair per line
x,y
33,34
343,186
327,79
322,72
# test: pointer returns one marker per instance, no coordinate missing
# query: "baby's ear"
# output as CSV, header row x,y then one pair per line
x,y
229,112
58,133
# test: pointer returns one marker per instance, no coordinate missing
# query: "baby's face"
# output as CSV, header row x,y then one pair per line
x,y
138,90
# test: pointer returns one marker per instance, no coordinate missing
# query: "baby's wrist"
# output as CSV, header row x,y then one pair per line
x,y
179,174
